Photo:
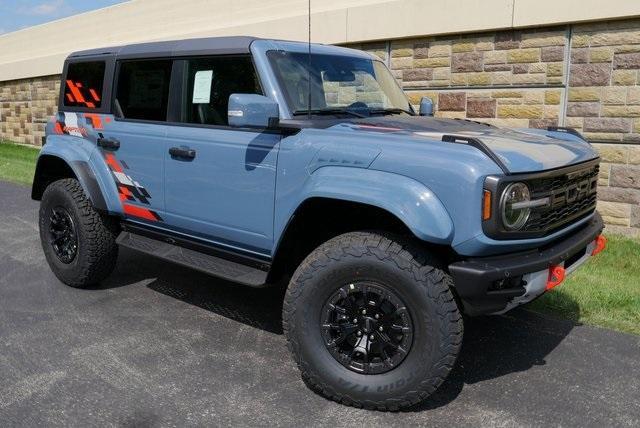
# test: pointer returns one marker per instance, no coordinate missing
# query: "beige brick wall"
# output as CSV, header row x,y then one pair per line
x,y
25,107
509,78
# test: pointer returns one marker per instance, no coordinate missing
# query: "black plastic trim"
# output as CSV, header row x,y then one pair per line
x,y
194,259
91,186
478,144
201,246
472,277
567,130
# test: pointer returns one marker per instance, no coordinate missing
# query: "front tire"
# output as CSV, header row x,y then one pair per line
x,y
79,243
353,303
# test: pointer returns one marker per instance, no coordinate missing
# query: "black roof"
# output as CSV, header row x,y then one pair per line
x,y
175,48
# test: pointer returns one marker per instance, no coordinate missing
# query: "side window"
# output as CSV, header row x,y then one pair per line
x,y
209,83
83,84
143,90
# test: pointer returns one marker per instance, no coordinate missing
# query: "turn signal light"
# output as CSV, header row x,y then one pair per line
x,y
486,205
556,276
601,244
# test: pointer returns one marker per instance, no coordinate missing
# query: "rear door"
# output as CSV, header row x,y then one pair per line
x,y
134,144
219,181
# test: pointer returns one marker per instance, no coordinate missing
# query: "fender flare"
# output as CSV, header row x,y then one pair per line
x,y
409,200
78,158
82,172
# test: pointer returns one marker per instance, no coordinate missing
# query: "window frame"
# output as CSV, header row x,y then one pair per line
x,y
176,92
105,107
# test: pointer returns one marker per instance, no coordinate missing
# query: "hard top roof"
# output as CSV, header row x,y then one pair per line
x,y
187,47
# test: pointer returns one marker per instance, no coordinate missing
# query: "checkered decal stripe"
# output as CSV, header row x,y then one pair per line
x,y
130,190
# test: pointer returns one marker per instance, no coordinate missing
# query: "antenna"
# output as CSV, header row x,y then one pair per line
x,y
309,65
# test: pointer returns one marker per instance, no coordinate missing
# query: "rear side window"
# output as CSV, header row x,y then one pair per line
x,y
143,90
83,85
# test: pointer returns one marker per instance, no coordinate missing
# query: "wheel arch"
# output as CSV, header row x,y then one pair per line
x,y
320,218
50,168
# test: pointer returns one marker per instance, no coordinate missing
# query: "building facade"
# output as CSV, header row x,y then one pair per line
x,y
517,63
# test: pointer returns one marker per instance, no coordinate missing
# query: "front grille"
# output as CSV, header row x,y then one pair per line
x,y
572,195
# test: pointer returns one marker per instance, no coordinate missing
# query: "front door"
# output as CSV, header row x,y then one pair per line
x,y
220,181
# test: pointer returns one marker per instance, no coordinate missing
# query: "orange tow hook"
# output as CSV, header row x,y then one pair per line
x,y
556,276
601,244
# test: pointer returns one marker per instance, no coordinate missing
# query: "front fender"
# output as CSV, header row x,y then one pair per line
x,y
88,165
409,200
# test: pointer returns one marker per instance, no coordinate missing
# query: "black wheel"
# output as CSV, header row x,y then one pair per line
x,y
372,322
78,241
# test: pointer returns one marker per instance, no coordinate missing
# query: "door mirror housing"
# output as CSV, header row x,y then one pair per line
x,y
252,111
426,107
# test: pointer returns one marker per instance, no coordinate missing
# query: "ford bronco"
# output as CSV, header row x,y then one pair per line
x,y
271,162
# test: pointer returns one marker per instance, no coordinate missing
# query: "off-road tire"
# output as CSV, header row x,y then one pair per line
x,y
410,272
97,251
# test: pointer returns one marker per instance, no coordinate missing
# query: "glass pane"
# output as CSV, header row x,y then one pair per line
x,y
143,89
83,85
336,82
210,82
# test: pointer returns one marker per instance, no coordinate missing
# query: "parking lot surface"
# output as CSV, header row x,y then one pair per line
x,y
159,345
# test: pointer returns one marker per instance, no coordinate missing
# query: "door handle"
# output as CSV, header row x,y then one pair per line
x,y
108,143
182,152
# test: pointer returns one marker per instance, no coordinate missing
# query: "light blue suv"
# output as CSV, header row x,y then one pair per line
x,y
269,162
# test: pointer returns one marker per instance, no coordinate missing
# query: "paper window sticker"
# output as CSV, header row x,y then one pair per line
x,y
202,87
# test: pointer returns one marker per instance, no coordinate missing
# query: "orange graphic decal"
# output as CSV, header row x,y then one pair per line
x,y
96,120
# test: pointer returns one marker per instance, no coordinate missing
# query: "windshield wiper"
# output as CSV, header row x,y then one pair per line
x,y
329,111
391,111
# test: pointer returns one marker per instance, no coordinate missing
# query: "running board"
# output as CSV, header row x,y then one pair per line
x,y
212,265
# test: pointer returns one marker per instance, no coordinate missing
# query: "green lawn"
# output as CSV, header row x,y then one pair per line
x,y
604,292
17,162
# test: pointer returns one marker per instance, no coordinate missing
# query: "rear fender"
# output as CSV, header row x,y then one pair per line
x,y
87,164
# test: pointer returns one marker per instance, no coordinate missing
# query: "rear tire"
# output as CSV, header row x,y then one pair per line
x,y
400,275
79,243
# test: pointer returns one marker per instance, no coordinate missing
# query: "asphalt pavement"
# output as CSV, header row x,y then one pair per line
x,y
160,345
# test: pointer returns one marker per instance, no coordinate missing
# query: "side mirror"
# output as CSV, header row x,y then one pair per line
x,y
426,107
252,111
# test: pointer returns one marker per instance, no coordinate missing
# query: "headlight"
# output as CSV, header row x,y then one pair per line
x,y
514,213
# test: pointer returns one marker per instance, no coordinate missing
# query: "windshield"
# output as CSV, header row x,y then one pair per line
x,y
339,84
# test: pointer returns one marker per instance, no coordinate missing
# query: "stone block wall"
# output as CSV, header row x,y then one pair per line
x,y
25,107
511,78
585,76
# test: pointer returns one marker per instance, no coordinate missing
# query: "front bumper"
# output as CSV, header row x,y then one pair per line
x,y
479,281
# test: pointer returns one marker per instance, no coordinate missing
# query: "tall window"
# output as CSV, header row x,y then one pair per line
x,y
83,84
209,83
143,90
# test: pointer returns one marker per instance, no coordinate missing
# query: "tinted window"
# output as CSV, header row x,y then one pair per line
x,y
143,90
83,85
210,82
